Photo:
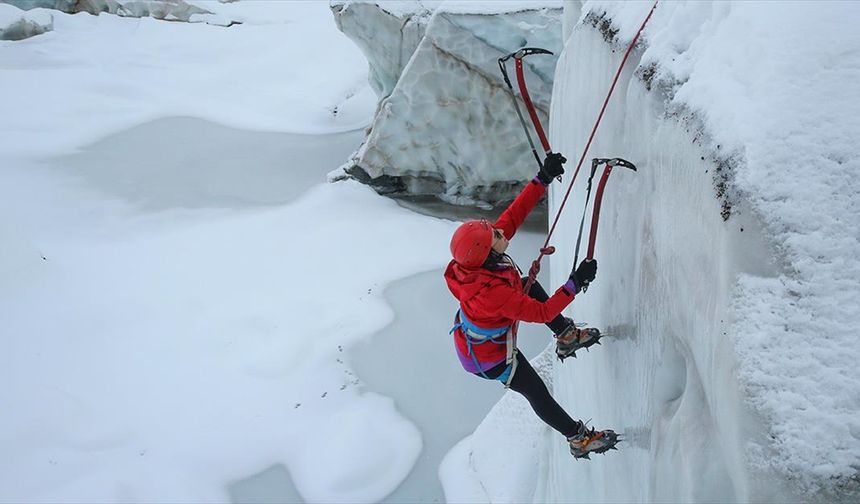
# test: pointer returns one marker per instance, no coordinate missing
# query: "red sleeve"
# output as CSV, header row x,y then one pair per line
x,y
519,306
513,216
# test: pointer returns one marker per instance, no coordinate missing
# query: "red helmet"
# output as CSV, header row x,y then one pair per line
x,y
471,243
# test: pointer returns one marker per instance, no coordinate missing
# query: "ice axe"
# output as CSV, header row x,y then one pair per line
x,y
521,81
598,199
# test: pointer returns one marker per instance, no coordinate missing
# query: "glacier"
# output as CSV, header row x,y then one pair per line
x,y
728,263
445,125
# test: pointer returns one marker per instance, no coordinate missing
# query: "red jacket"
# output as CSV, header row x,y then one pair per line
x,y
492,299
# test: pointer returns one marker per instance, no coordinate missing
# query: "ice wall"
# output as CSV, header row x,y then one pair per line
x,y
729,264
667,263
446,125
714,373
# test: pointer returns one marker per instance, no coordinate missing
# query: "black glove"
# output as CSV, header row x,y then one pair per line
x,y
551,167
585,273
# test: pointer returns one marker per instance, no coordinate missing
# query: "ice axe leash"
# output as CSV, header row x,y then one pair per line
x,y
598,199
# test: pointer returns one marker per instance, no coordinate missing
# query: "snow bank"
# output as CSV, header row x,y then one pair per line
x,y
160,353
143,377
16,24
242,76
446,125
505,456
732,255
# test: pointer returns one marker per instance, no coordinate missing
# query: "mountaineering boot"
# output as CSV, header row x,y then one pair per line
x,y
573,338
588,441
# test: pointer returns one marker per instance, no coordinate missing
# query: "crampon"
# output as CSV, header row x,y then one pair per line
x,y
589,441
573,338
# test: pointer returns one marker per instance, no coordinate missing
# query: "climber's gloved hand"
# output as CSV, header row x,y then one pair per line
x,y
552,168
583,275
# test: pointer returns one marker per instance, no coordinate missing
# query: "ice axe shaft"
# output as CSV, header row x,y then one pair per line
x,y
524,92
521,82
598,199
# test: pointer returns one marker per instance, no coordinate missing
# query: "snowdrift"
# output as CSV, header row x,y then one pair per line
x,y
16,24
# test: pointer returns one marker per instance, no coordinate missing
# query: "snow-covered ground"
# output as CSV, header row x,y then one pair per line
x,y
179,283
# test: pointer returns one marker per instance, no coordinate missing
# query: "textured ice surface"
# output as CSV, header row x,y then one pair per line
x,y
772,96
667,379
728,263
169,10
447,127
387,34
16,24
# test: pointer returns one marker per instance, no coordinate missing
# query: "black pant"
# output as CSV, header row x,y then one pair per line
x,y
527,382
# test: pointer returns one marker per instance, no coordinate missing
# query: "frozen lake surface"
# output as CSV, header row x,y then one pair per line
x,y
183,162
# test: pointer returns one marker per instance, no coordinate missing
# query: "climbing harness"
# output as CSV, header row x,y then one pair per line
x,y
476,335
518,56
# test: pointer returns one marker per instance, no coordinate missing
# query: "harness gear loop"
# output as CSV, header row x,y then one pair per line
x,y
476,335
513,368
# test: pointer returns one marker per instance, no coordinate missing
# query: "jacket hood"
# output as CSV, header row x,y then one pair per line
x,y
465,283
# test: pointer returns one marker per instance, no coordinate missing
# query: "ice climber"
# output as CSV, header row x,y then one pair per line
x,y
489,286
